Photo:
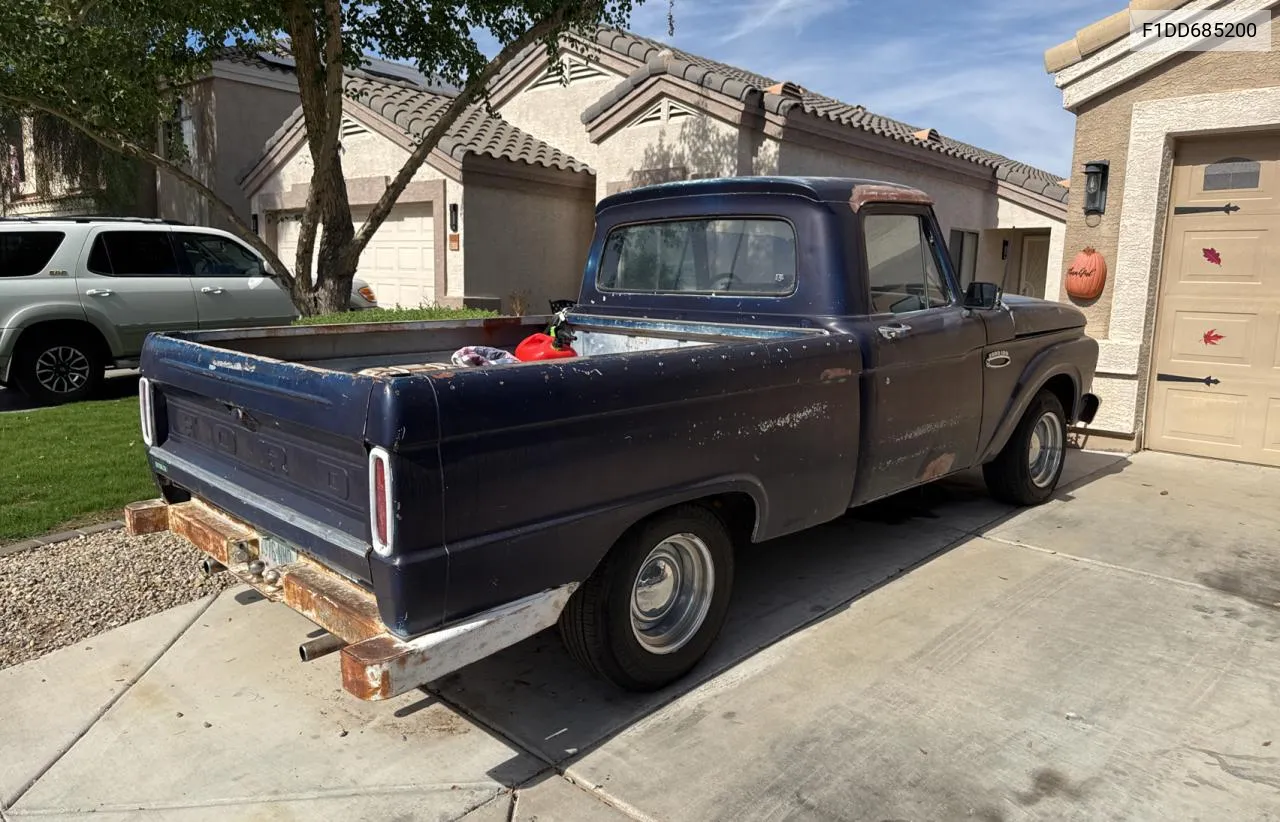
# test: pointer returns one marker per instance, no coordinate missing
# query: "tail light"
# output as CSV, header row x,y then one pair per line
x,y
146,411
381,487
367,292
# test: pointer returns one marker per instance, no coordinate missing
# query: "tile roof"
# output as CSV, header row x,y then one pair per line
x,y
657,58
414,110
1101,33
282,62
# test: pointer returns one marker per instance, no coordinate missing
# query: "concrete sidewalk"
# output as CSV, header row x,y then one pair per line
x,y
1114,654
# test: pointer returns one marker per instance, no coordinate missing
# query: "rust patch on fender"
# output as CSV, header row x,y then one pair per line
x,y
938,466
836,374
886,193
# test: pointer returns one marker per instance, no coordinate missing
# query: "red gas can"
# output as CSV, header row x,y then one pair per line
x,y
540,347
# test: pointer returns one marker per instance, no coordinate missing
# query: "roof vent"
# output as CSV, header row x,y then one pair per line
x,y
928,135
785,89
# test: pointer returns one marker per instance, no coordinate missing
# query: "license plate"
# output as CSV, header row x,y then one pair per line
x,y
275,551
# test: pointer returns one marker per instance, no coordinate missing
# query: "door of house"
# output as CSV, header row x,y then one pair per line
x,y
1215,381
1034,264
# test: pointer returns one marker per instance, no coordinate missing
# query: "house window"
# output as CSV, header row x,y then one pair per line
x,y
17,158
1232,173
181,131
902,270
964,255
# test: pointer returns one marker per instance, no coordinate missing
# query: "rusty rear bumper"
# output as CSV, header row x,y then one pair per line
x,y
375,664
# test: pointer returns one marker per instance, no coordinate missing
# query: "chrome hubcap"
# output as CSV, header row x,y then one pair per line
x,y
62,369
1045,454
672,593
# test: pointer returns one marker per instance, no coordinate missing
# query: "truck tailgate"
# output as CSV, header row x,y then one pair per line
x,y
277,445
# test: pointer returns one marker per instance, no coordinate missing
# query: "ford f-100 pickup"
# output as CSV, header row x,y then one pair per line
x,y
751,357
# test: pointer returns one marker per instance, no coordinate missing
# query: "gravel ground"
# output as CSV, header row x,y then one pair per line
x,y
57,595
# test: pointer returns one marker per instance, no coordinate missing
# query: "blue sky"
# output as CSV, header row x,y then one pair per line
x,y
972,69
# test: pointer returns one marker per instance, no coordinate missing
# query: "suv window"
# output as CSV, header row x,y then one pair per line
x,y
23,253
723,256
133,254
214,256
902,270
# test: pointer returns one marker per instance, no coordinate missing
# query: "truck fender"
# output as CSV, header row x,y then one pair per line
x,y
718,487
1056,360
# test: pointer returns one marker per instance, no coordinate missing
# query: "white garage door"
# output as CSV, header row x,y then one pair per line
x,y
399,262
1216,391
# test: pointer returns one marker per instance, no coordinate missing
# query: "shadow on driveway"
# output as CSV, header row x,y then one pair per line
x,y
116,385
535,696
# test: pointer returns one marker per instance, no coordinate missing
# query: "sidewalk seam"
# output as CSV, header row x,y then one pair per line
x,y
112,702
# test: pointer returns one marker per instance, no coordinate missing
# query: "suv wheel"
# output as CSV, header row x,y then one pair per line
x,y
57,368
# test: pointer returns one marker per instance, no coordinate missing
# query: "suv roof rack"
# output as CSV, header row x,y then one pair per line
x,y
80,218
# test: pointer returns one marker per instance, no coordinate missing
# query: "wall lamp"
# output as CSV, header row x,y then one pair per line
x,y
1095,186
453,218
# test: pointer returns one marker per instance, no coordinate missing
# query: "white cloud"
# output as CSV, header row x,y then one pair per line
x,y
796,14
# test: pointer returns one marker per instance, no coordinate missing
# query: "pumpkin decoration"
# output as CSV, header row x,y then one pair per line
x,y
1087,274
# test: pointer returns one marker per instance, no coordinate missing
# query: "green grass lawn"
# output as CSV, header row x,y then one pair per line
x,y
397,315
70,465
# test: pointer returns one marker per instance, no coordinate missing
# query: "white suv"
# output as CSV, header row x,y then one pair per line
x,y
80,294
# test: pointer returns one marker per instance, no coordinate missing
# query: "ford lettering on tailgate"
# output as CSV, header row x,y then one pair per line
x,y
238,436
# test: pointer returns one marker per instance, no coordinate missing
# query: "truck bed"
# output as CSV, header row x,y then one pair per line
x,y
274,426
360,347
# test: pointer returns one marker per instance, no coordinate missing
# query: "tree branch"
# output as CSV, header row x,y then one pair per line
x,y
130,149
469,94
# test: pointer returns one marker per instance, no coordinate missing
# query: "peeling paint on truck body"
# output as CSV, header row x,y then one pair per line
x,y
511,480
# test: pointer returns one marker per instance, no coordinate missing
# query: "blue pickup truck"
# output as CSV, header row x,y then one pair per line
x,y
754,356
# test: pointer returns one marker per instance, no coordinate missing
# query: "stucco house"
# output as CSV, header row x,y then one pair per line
x,y
637,111
223,120
1189,318
526,207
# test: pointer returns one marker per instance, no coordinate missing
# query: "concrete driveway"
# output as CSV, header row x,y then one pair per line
x,y
1114,654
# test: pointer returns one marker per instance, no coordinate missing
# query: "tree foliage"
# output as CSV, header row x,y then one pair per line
x,y
112,70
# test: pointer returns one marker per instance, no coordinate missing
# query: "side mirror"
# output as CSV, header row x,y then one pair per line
x,y
981,295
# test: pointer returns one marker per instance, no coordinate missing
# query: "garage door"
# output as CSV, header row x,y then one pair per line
x,y
1215,391
399,262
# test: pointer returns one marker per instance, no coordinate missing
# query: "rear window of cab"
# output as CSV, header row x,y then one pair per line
x,y
731,256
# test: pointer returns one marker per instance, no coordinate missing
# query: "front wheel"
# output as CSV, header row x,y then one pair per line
x,y
1027,469
656,603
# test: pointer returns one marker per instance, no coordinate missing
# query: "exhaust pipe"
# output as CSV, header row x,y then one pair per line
x,y
320,646
211,567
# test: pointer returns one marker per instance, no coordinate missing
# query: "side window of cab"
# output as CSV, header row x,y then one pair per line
x,y
904,273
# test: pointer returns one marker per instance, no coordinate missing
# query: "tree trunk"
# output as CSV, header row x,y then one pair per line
x,y
329,291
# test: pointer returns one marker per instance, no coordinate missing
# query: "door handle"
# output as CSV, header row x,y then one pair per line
x,y
894,330
99,292
211,290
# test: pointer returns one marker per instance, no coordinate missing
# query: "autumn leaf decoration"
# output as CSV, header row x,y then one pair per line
x,y
1212,255
1211,337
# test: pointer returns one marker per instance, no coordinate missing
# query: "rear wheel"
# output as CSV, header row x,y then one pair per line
x,y
53,368
656,603
1027,470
